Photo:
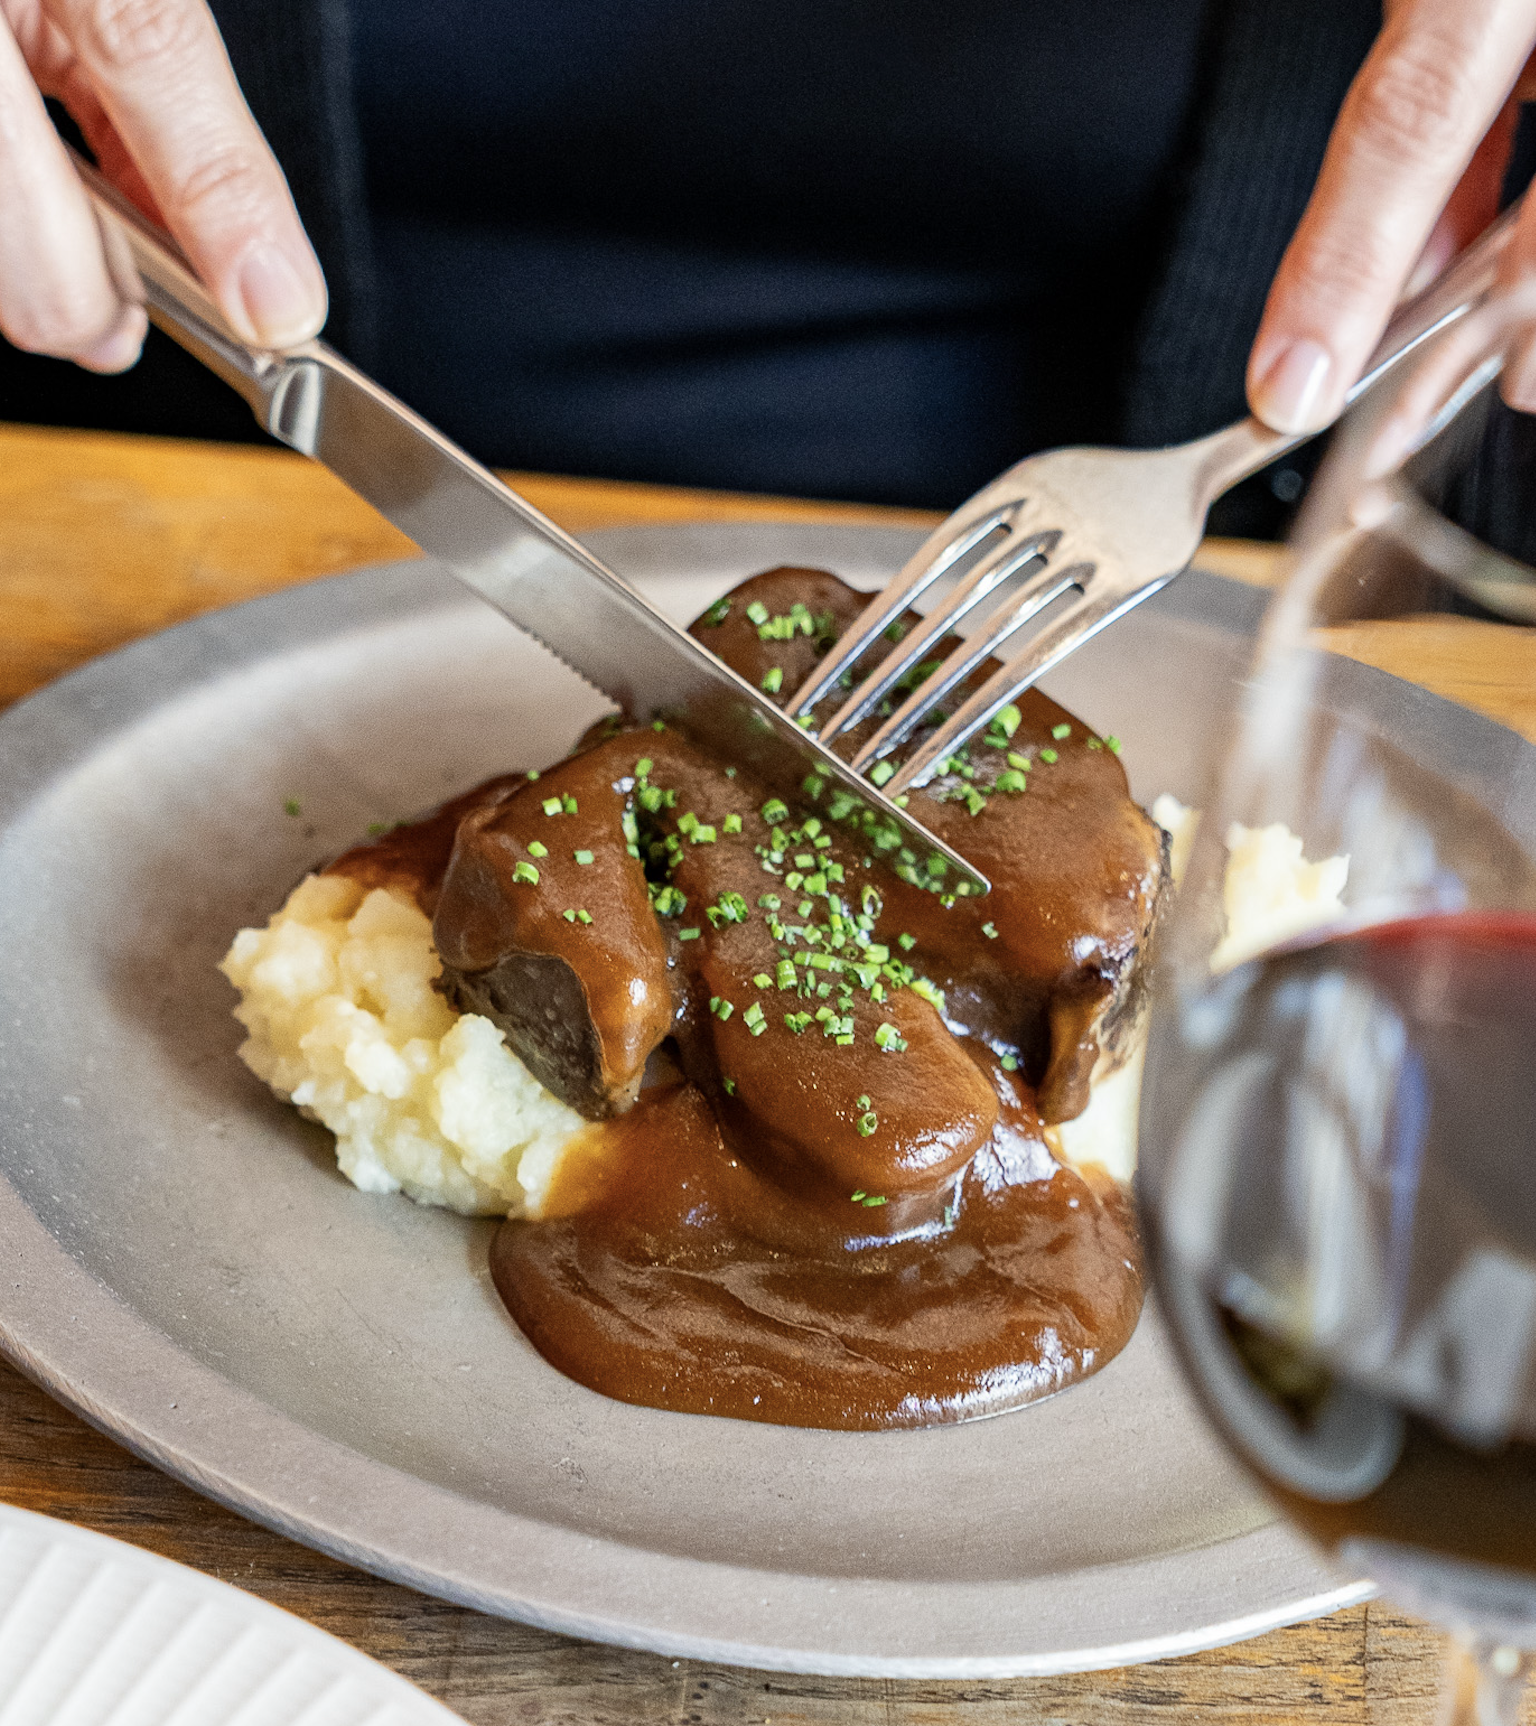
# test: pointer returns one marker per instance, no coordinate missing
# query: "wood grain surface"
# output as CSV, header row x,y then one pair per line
x,y
104,539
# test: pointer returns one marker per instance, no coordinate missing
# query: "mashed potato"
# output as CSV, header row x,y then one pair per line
x,y
343,1021
336,993
1270,894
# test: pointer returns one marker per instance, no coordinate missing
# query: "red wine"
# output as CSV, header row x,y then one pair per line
x,y
1340,1186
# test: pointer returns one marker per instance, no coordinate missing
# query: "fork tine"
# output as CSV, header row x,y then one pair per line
x,y
942,549
1080,621
988,574
1031,599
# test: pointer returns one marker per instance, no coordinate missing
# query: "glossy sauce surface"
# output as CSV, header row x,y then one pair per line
x,y
843,1213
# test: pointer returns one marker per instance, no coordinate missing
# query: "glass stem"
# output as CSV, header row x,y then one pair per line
x,y
1486,1680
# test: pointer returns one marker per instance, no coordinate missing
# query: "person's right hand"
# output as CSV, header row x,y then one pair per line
x,y
150,86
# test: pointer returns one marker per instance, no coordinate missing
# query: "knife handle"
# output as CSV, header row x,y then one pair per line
x,y
175,299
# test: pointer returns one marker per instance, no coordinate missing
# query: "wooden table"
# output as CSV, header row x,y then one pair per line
x,y
103,539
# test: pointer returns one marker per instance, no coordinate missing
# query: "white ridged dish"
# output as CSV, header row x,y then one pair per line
x,y
94,1632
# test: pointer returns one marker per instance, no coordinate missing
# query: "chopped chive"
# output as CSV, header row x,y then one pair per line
x,y
929,992
730,1087
531,774
883,772
568,804
1012,780
583,916
813,786
755,1020
975,801
526,872
887,1037
292,806
658,725
643,766
1021,762
774,811
731,824
688,934
797,1022
784,974
757,611
866,1124
535,849
773,679
906,942
1060,731
858,1197
1010,1063
763,980
582,857
716,614
1049,756
569,916
670,902
989,930
551,806
1006,720
1112,744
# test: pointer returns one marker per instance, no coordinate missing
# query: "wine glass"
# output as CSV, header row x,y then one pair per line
x,y
1338,1167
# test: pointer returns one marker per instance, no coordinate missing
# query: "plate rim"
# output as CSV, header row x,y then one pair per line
x,y
407,1702
50,729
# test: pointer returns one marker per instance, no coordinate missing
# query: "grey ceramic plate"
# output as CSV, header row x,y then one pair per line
x,y
180,1262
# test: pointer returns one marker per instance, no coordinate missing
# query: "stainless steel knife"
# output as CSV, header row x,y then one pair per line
x,y
499,545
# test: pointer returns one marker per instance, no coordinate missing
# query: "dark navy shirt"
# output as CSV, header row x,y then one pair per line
x,y
854,248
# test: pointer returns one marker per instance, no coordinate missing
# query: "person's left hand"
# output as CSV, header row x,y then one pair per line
x,y
1412,172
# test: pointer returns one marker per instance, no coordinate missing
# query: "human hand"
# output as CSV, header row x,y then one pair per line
x,y
1412,172
150,86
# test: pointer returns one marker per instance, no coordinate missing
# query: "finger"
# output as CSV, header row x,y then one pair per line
x,y
1517,271
1472,205
159,70
1432,85
56,293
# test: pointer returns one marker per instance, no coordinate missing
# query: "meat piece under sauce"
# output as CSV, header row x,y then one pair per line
x,y
839,1208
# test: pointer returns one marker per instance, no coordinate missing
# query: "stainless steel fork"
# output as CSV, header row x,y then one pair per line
x,y
1109,528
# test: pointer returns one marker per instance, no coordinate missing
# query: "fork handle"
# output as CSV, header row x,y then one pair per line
x,y
1239,450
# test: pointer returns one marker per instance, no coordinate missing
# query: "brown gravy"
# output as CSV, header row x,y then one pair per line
x,y
689,1280
844,1212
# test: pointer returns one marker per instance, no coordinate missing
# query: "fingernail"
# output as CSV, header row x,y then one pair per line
x,y
121,346
281,305
1294,395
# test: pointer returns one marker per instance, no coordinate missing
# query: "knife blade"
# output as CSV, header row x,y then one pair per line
x,y
546,582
